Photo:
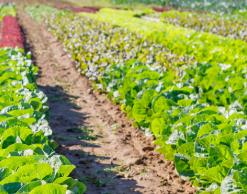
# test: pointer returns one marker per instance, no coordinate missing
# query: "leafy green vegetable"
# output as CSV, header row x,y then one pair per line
x,y
195,110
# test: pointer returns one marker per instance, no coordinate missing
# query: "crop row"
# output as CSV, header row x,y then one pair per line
x,y
108,44
28,162
38,15
207,23
197,112
11,34
7,9
205,5
204,47
210,5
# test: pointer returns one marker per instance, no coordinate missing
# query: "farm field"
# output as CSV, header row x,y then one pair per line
x,y
28,163
114,97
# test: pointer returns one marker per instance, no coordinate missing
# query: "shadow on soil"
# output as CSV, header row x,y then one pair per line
x,y
72,134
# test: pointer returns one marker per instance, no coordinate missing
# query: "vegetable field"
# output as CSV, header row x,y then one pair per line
x,y
177,78
28,161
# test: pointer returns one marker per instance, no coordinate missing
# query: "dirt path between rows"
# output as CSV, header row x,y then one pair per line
x,y
110,155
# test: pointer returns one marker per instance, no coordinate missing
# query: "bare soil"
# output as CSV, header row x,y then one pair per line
x,y
77,9
111,156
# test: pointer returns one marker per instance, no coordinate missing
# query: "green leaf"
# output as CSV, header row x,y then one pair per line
x,y
29,187
183,166
65,170
160,104
28,173
158,126
15,162
51,188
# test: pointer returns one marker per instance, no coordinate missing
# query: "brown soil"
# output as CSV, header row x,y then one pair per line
x,y
76,9
161,9
110,155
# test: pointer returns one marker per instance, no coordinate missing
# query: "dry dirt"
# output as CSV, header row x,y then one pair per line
x,y
110,155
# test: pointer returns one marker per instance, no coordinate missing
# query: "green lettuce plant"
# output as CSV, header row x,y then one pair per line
x,y
28,162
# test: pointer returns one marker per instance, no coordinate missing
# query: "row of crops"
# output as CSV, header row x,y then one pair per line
x,y
28,162
232,6
204,47
213,23
187,87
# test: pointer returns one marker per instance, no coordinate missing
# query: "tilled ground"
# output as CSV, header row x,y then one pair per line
x,y
110,155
